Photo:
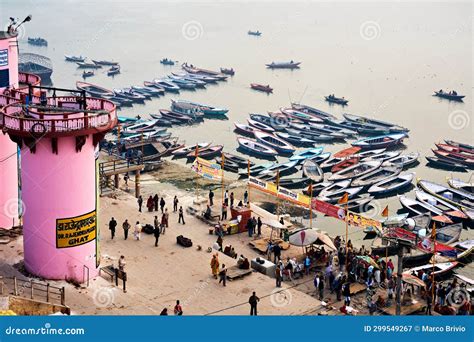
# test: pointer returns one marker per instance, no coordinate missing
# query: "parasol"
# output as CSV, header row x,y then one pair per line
x,y
304,237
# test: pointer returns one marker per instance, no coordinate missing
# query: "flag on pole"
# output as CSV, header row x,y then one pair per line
x,y
196,152
278,178
310,189
385,212
343,199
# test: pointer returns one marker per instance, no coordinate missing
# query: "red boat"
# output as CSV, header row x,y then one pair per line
x,y
206,153
344,164
456,149
260,87
464,159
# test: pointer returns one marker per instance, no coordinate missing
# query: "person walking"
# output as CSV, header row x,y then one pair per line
x,y
211,198
112,226
155,202
232,199
122,263
223,275
321,287
429,302
226,197
126,228
156,233
175,203
138,230
164,219
125,179
278,275
246,197
259,226
224,211
149,203
253,301
276,253
162,204
140,203
215,265
181,215
346,291
178,310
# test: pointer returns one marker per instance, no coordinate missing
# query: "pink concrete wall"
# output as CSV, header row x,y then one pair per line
x,y
56,186
8,157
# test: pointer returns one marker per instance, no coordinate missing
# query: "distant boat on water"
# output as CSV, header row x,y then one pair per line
x,y
167,61
38,41
254,33
337,100
70,58
283,65
260,87
452,95
94,90
104,62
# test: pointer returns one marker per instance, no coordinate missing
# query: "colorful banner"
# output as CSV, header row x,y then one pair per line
x,y
76,231
280,192
207,169
359,221
329,209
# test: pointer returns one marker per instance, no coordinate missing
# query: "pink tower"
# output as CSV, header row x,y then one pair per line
x,y
59,138
9,195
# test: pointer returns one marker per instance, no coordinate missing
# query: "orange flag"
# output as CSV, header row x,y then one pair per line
x,y
343,199
196,152
385,212
310,189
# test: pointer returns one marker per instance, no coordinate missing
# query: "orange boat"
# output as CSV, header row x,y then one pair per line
x,y
347,152
344,164
260,87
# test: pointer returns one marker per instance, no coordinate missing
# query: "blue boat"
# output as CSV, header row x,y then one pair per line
x,y
167,61
307,154
167,85
206,109
183,84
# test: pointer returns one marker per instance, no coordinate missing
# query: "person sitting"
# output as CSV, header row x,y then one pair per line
x,y
288,270
240,204
243,263
207,214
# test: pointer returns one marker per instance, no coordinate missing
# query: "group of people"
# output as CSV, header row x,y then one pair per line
x,y
153,202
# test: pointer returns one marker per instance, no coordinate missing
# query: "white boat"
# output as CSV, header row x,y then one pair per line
x,y
356,170
278,144
392,184
439,268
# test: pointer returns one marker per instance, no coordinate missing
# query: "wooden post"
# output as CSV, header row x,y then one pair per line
x,y
31,288
137,183
116,181
63,296
15,286
248,182
47,292
399,280
347,238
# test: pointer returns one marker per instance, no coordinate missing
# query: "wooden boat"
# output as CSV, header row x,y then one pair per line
x,y
359,203
296,140
459,198
196,82
347,152
255,170
184,108
312,171
447,208
385,156
420,208
168,114
233,163
466,160
206,109
37,41
460,145
183,84
86,74
456,149
335,187
337,100
363,129
191,69
254,33
345,163
294,183
273,141
404,160
153,85
126,120
453,96
321,158
129,94
377,175
228,165
104,62
370,153
196,77
70,58
164,121
282,169
283,65
94,90
386,125
334,196
317,129
312,111
301,116
311,135
307,154
147,90
207,152
260,126
254,147
167,85
181,152
440,269
392,184
356,170
244,129
383,141
166,61
227,71
446,164
260,87
85,65
114,70
459,184
269,121
317,188
328,129
140,127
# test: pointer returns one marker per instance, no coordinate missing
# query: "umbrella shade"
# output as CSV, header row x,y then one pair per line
x,y
274,224
411,279
368,260
304,237
327,241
